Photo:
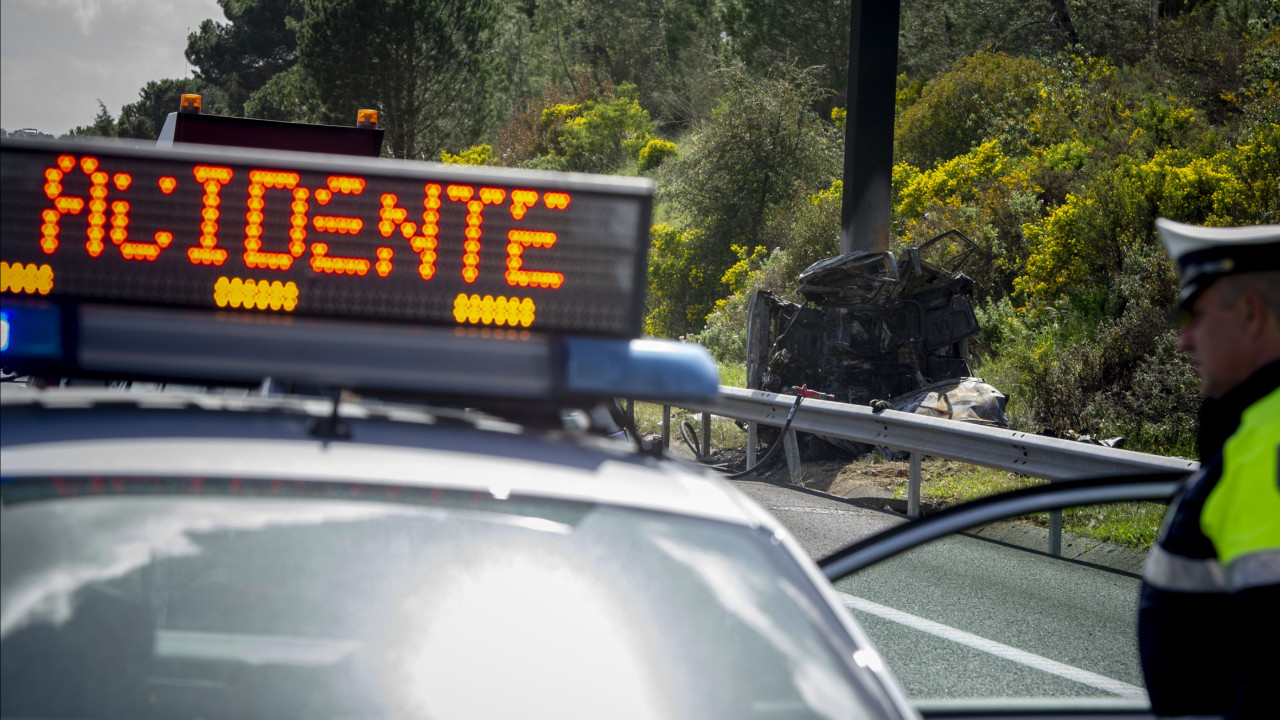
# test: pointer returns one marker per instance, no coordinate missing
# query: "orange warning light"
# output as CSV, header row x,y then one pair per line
x,y
488,310
366,118
190,103
320,262
519,240
345,184
383,266
139,251
521,201
97,208
337,224
205,173
475,218
259,294
29,279
212,177
259,182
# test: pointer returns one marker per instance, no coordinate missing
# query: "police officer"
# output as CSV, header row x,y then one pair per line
x,y
1209,612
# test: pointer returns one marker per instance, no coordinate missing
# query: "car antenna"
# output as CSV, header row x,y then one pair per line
x,y
331,428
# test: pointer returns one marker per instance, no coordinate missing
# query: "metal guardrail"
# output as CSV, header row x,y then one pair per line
x,y
999,448
1003,449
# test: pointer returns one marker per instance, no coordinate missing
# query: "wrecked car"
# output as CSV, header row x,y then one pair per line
x,y
877,328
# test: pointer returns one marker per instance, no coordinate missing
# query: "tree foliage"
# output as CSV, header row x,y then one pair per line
x,y
145,118
665,48
763,149
421,63
984,95
769,34
256,43
290,96
103,125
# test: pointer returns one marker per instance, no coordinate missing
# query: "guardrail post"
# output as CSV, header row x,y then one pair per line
x,y
631,411
1055,532
666,427
753,443
706,434
913,487
791,448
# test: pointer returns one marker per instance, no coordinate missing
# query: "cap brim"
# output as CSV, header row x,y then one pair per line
x,y
1180,238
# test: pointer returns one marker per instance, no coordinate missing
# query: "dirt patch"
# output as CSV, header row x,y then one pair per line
x,y
874,481
879,483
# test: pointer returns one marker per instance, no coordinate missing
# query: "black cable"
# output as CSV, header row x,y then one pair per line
x,y
627,423
687,429
772,448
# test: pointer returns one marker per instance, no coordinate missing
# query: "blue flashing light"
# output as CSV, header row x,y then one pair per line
x,y
31,331
640,369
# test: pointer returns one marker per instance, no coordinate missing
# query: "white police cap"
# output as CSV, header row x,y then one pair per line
x,y
1205,254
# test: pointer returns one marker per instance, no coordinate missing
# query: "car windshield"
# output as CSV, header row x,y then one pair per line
x,y
454,605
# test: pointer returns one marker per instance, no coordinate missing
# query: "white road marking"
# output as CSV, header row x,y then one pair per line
x,y
816,510
1000,650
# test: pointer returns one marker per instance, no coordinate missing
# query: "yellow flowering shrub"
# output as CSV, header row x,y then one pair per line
x,y
654,153
955,179
738,274
1078,245
474,155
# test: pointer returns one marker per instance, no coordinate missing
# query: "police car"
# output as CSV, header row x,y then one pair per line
x,y
332,446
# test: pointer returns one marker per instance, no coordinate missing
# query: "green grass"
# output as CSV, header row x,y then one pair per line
x,y
733,375
724,433
1131,524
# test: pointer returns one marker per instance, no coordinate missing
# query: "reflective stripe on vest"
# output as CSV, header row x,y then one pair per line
x,y
1179,573
1255,570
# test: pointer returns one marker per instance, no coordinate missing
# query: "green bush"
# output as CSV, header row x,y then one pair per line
x,y
678,263
604,135
1109,368
763,151
981,97
807,231
724,333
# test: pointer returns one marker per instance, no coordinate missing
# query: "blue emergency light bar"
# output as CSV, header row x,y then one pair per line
x,y
230,266
31,330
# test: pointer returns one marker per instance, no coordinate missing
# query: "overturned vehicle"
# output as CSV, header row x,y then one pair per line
x,y
874,330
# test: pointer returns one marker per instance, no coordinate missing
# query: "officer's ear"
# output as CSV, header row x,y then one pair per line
x,y
1257,314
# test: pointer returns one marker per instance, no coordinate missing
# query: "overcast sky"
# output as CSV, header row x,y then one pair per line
x,y
59,57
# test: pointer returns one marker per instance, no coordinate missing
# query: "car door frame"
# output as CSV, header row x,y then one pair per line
x,y
1156,487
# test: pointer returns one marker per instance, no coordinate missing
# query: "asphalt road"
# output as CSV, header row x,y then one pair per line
x,y
822,524
967,617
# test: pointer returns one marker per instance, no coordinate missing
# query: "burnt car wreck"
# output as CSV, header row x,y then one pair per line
x,y
877,328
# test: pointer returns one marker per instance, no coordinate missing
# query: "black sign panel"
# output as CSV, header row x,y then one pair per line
x,y
324,236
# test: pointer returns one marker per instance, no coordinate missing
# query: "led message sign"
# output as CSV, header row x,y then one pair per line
x,y
324,236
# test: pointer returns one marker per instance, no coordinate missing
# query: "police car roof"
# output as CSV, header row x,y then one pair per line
x,y
101,432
